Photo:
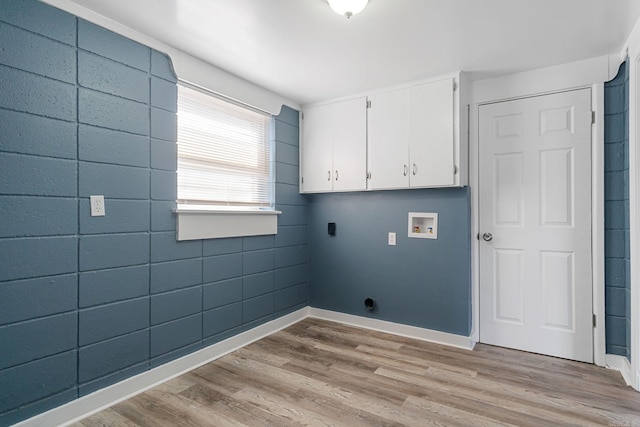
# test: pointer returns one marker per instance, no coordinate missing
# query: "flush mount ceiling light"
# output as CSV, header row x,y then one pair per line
x,y
347,8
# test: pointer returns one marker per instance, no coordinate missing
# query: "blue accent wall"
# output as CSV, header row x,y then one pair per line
x,y
419,282
88,301
617,277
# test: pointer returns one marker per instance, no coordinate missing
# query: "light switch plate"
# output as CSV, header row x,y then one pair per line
x,y
392,239
97,205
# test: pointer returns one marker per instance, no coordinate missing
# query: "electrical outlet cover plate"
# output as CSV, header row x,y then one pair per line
x,y
97,205
392,239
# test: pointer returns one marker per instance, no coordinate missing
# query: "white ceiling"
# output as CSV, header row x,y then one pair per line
x,y
302,50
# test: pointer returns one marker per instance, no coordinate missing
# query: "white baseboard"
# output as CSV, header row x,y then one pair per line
x,y
90,404
395,328
621,364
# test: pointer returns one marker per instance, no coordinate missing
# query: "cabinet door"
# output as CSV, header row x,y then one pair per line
x,y
350,145
316,150
388,140
431,137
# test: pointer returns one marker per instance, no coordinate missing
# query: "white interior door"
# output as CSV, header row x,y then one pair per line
x,y
535,225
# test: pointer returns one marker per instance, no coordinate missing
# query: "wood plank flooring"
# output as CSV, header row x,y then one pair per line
x,y
319,373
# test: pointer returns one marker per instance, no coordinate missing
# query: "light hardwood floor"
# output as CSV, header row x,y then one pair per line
x,y
320,373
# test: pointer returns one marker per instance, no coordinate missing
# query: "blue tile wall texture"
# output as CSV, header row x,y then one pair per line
x,y
89,301
419,282
616,216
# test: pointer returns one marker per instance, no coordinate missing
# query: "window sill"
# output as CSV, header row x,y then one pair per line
x,y
194,224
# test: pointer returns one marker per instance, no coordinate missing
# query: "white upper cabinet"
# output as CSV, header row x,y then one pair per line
x,y
409,137
316,152
388,140
334,147
431,136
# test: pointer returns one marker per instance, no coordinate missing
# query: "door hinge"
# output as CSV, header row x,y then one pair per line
x,y
455,86
594,320
593,117
368,104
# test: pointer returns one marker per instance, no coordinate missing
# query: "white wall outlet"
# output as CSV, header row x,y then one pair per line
x,y
97,205
392,239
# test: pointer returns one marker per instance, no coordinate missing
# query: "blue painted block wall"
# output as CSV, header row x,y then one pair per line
x,y
88,301
617,277
419,282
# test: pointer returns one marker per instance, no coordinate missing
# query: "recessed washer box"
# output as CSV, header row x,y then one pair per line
x,y
423,225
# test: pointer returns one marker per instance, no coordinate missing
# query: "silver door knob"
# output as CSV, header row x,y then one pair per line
x,y
487,237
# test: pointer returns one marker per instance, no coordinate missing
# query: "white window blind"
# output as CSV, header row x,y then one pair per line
x,y
224,153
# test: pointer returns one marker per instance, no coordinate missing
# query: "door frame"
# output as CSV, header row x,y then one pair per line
x,y
632,50
510,334
591,74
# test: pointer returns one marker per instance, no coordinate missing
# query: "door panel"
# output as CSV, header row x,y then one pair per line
x,y
535,201
509,191
558,290
556,198
508,292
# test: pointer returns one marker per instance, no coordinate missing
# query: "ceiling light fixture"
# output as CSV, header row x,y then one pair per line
x,y
347,8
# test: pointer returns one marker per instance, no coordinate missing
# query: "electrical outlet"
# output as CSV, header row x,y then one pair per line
x,y
392,239
97,205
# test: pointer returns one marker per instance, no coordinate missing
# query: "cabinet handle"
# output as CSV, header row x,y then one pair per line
x,y
336,174
415,169
405,170
328,175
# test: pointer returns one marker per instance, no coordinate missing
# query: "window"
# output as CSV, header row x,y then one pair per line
x,y
224,153
224,167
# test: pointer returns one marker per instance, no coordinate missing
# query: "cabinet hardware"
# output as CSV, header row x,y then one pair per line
x,y
415,169
328,175
368,104
368,175
405,170
336,174
593,117
455,169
